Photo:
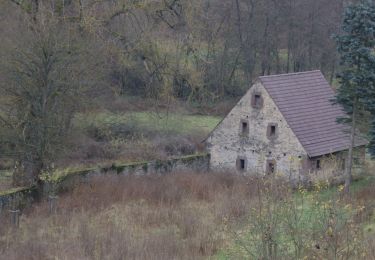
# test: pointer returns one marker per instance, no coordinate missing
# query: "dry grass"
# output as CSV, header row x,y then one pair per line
x,y
190,216
176,216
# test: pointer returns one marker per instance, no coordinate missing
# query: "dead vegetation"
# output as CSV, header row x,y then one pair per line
x,y
186,215
177,216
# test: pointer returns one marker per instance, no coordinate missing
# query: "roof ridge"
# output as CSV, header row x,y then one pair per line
x,y
288,74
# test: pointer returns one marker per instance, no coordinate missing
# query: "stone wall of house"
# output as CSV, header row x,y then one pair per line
x,y
332,167
226,143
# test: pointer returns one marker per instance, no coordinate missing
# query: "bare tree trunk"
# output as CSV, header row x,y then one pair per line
x,y
35,10
239,21
80,11
290,33
333,72
349,161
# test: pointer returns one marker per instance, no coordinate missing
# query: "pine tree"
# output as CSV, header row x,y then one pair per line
x,y
372,136
357,78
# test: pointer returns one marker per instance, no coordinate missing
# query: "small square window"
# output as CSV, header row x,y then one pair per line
x,y
244,127
318,165
271,167
241,164
257,100
272,131
356,161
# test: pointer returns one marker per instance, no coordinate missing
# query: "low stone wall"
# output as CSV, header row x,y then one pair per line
x,y
198,162
20,197
17,198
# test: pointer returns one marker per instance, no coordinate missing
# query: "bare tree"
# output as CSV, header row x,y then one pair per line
x,y
41,92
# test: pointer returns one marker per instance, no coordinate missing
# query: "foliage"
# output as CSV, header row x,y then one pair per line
x,y
372,135
356,48
303,225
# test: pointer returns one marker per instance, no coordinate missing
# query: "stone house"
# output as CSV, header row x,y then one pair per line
x,y
284,124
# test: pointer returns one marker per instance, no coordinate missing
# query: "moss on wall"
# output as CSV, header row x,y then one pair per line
x,y
62,180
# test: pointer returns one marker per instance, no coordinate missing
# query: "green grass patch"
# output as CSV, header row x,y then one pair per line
x,y
356,186
310,213
15,190
150,122
5,174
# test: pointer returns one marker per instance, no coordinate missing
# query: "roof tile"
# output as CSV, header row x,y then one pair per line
x,y
304,99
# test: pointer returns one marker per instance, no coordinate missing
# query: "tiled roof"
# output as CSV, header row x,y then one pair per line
x,y
304,99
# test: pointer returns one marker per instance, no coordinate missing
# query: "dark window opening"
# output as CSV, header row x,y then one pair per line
x,y
241,164
356,161
271,167
272,131
257,100
318,164
245,128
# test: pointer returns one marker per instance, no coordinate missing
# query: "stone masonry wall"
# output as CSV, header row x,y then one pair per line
x,y
22,197
226,143
332,167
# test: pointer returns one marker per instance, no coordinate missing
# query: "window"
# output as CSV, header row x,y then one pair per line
x,y
244,127
271,167
272,131
318,166
257,100
241,164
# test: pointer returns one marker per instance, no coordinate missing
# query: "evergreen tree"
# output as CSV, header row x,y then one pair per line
x,y
372,136
357,78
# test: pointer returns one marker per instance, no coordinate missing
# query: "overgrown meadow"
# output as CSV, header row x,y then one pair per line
x,y
187,215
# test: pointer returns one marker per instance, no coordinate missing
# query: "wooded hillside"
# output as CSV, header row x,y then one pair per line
x,y
194,50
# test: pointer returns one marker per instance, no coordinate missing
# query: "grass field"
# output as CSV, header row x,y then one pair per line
x,y
152,122
105,136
